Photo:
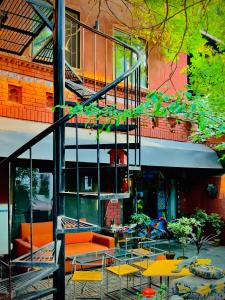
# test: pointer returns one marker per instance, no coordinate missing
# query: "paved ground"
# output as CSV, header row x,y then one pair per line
x,y
217,254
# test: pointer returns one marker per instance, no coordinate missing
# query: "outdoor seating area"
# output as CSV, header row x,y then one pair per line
x,y
119,273
75,243
112,150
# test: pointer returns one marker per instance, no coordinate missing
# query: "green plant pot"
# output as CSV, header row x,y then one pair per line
x,y
170,255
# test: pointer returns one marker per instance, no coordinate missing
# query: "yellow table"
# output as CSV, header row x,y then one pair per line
x,y
164,268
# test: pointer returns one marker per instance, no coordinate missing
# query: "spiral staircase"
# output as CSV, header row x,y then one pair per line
x,y
16,18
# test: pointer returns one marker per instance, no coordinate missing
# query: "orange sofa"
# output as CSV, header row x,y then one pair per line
x,y
75,243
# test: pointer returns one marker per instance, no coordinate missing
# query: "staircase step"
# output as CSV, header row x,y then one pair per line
x,y
37,294
41,257
44,10
25,280
103,196
104,146
131,167
71,75
76,225
120,128
81,91
45,55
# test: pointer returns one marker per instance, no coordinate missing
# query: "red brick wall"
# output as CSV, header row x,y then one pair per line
x,y
198,198
112,211
35,81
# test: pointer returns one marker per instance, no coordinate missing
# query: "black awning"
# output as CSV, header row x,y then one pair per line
x,y
154,152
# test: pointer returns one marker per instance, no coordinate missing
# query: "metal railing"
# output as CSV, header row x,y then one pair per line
x,y
128,84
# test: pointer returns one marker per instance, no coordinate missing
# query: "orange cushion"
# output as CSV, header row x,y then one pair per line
x,y
38,229
40,240
81,237
74,249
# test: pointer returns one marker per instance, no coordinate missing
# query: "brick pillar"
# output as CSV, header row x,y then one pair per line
x,y
112,211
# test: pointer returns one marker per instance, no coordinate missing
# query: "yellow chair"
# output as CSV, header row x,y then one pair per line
x,y
120,271
85,276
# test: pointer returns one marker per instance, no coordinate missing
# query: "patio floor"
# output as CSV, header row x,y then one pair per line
x,y
217,254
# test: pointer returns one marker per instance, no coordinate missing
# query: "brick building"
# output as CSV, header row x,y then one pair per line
x,y
175,172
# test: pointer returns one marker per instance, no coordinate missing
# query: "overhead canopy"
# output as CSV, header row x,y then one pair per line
x,y
154,152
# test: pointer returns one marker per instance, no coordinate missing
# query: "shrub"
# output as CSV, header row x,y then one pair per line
x,y
212,220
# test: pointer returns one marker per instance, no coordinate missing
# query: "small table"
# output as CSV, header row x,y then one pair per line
x,y
90,258
164,268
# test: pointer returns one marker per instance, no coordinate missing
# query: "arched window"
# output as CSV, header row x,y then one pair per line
x,y
15,93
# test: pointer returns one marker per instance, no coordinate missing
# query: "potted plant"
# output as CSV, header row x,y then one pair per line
x,y
181,229
212,221
202,217
217,223
199,240
140,220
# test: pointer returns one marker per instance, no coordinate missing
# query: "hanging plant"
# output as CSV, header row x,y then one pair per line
x,y
212,190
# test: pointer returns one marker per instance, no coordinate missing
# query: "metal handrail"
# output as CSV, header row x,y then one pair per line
x,y
93,98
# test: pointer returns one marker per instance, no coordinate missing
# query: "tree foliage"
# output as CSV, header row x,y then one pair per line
x,y
194,27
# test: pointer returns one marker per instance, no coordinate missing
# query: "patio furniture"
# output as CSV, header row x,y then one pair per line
x,y
75,243
86,276
134,244
165,268
150,255
122,268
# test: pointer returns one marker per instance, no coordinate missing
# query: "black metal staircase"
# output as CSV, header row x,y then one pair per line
x,y
50,258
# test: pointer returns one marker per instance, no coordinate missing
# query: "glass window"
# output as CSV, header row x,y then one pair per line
x,y
40,40
42,187
72,40
126,59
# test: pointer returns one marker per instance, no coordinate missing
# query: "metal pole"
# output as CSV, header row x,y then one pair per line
x,y
31,204
9,232
59,156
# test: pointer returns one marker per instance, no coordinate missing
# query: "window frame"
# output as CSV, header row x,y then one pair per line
x,y
75,12
78,63
121,30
